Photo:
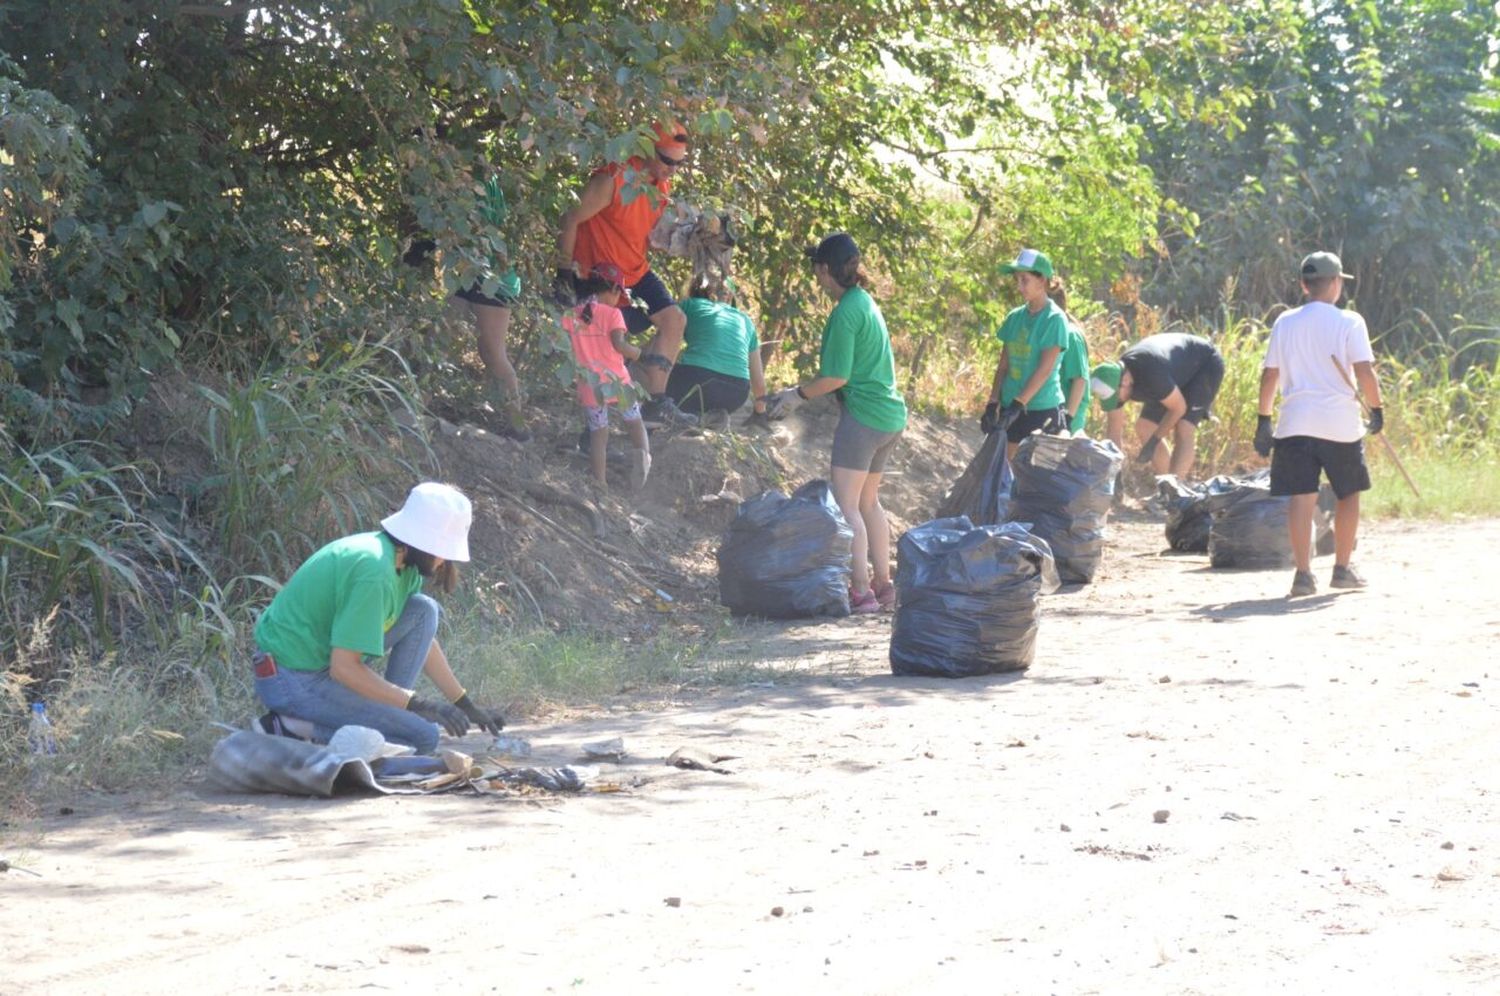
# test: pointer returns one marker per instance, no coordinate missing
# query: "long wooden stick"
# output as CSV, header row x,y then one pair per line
x,y
1365,407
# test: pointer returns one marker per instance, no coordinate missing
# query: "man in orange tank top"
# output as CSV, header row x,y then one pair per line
x,y
611,223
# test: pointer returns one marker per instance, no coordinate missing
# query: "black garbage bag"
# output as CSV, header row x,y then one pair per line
x,y
787,557
1064,488
1189,513
1249,525
967,598
982,491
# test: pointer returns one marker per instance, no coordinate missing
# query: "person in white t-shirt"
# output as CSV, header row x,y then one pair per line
x,y
1311,352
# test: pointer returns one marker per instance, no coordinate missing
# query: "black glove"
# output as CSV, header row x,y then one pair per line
x,y
488,720
1013,411
448,717
1377,421
1148,448
565,288
1263,438
990,420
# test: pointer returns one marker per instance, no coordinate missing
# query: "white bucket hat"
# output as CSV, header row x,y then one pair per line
x,y
435,520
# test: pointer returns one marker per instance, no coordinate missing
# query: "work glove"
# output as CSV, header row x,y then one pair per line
x,y
783,403
564,288
990,420
1377,421
488,720
444,715
1148,449
1263,438
1012,411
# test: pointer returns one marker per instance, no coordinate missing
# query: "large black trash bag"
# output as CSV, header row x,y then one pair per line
x,y
787,557
982,491
1189,513
1064,489
1249,525
967,600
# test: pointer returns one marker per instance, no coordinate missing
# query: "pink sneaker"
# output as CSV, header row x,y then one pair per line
x,y
885,594
863,603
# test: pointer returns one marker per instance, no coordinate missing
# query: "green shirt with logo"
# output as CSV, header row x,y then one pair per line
x,y
1075,363
348,594
718,337
1025,335
857,348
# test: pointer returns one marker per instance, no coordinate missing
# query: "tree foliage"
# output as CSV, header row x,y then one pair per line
x,y
233,181
1366,128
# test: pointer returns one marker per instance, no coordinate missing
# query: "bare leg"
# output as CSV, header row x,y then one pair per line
x,y
1184,448
670,324
641,460
877,530
1299,520
491,325
1159,459
599,452
848,486
1345,528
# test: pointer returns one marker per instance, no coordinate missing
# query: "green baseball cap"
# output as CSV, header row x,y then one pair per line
x,y
1031,261
1323,264
1105,383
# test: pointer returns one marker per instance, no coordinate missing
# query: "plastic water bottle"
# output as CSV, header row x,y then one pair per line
x,y
39,734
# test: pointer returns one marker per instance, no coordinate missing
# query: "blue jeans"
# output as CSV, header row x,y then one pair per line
x,y
319,698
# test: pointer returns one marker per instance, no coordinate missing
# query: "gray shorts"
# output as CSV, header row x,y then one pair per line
x,y
856,446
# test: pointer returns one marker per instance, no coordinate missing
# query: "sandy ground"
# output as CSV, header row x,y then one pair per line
x,y
1324,772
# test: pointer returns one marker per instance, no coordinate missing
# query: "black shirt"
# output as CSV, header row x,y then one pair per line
x,y
1159,363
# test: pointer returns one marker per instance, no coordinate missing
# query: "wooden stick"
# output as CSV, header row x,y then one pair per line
x,y
1364,407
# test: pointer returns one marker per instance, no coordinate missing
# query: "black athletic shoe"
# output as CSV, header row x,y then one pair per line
x,y
1303,583
660,412
1346,577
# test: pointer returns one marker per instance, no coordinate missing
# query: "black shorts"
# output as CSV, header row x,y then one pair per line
x,y
476,296
650,291
1297,461
1199,393
698,389
1050,421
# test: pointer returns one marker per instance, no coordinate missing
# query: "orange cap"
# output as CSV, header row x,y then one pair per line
x,y
671,139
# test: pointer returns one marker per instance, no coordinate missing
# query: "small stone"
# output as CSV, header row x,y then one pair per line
x,y
673,901
1164,680
777,911
1065,828
1447,845
1161,815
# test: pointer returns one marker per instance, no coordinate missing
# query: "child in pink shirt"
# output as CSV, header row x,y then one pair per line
x,y
596,329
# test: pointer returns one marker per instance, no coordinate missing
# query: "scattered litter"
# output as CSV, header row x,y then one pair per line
x,y
605,750
1235,816
511,745
694,759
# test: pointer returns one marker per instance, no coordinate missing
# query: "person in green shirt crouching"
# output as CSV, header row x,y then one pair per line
x,y
856,364
360,598
719,367
1027,392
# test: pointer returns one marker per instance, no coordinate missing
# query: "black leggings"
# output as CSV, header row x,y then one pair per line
x,y
697,389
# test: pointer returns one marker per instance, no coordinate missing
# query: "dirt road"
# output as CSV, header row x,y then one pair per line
x,y
1198,788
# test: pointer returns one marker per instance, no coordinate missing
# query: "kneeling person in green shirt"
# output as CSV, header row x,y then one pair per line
x,y
358,598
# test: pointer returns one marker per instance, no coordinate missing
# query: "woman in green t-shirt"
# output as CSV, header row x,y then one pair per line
x,y
1027,393
719,366
856,364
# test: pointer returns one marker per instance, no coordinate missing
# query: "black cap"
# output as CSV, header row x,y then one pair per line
x,y
837,249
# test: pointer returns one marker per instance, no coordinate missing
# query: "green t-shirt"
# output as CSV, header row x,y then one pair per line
x,y
346,595
493,208
857,348
1025,336
1075,364
718,337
